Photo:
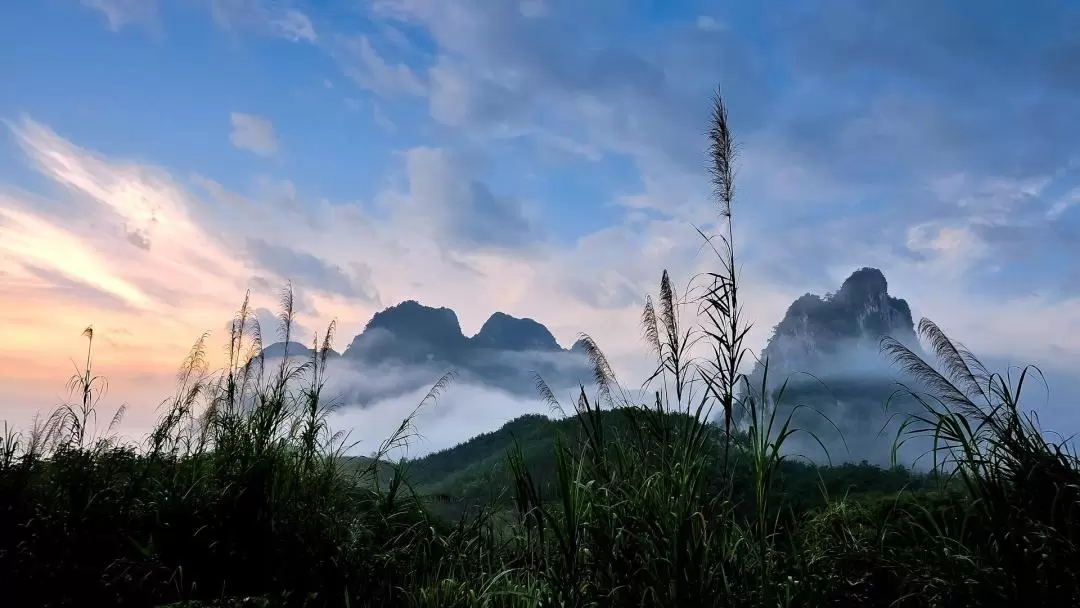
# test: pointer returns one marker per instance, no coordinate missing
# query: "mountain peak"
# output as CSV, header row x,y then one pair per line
x,y
413,319
504,332
580,347
410,332
505,353
826,352
864,283
815,329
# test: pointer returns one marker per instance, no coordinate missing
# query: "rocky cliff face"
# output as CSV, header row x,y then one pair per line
x,y
827,349
825,334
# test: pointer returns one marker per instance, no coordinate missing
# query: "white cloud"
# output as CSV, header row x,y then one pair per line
x,y
370,70
253,133
451,94
295,26
119,13
709,24
461,412
1063,203
953,249
458,211
382,119
72,253
271,18
533,9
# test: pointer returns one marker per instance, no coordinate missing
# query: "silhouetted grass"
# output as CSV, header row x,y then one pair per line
x,y
242,495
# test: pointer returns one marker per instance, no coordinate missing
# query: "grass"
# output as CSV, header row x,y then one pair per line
x,y
242,495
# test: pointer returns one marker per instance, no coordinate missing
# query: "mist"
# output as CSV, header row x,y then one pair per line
x,y
855,409
850,412
370,401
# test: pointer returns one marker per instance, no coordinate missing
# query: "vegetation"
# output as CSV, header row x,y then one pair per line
x,y
241,495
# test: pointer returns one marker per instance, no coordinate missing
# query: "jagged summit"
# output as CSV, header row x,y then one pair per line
x,y
413,319
504,332
827,349
864,283
815,329
411,340
409,332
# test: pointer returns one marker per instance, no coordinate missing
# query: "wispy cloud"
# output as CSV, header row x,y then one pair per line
x,y
273,18
371,71
203,254
311,270
253,133
120,13
709,24
295,26
70,262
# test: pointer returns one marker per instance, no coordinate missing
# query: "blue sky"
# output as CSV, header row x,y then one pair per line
x,y
539,157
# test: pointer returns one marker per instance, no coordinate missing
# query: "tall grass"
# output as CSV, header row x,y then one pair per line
x,y
242,494
638,517
239,490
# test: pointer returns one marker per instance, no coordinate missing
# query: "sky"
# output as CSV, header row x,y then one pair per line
x,y
159,158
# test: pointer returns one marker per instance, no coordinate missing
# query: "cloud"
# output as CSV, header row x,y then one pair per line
x,y
120,13
295,26
1064,203
204,253
253,133
709,24
461,411
307,269
831,133
570,78
271,329
381,119
368,69
533,9
461,211
68,262
272,18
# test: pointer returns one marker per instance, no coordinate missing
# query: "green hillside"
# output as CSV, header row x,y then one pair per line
x,y
476,473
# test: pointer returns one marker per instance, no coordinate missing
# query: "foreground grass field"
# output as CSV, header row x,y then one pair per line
x,y
242,496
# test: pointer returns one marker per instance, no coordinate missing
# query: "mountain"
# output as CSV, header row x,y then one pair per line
x,y
816,332
579,347
410,333
503,332
409,346
827,349
424,333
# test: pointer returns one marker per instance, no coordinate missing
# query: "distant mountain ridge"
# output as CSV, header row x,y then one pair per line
x,y
425,333
827,349
423,342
